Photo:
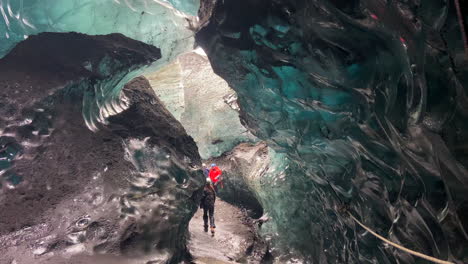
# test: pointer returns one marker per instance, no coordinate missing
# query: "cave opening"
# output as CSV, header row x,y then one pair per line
x,y
207,108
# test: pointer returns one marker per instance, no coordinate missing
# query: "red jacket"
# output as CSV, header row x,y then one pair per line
x,y
215,173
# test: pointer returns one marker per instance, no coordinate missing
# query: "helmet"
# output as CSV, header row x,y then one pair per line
x,y
203,164
213,164
208,180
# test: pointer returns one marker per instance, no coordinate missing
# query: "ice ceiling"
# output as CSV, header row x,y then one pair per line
x,y
157,22
362,103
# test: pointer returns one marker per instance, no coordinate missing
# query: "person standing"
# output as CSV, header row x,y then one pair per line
x,y
206,170
208,203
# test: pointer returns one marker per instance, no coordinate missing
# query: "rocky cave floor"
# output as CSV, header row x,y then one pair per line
x,y
234,239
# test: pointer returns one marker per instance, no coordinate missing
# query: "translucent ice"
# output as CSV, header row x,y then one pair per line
x,y
202,101
364,104
157,22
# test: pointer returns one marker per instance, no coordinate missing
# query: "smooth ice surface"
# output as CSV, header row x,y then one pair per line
x,y
157,22
202,101
364,104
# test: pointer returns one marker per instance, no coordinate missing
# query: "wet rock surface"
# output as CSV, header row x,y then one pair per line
x,y
122,194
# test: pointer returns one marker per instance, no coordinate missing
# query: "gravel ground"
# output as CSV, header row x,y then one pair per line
x,y
234,235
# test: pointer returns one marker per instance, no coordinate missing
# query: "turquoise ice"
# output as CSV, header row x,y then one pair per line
x,y
157,22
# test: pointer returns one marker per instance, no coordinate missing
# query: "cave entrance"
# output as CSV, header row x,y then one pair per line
x,y
207,108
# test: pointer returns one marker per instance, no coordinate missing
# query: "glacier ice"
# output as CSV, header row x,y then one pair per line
x,y
157,22
121,194
364,104
165,24
202,102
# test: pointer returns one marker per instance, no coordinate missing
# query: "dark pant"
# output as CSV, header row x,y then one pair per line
x,y
208,209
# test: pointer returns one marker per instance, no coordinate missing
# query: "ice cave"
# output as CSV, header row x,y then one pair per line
x,y
340,128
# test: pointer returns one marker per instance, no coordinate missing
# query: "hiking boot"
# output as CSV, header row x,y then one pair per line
x,y
212,230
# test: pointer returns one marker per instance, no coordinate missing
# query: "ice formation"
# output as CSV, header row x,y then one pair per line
x,y
362,105
365,104
121,194
160,23
202,102
165,24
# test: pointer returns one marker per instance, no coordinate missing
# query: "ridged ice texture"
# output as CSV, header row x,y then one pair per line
x,y
161,23
367,102
157,22
202,101
121,194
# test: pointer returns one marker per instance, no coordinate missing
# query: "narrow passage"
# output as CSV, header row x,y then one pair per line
x,y
233,236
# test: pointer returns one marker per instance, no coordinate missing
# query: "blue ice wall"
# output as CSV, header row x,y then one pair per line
x,y
157,22
160,23
365,102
